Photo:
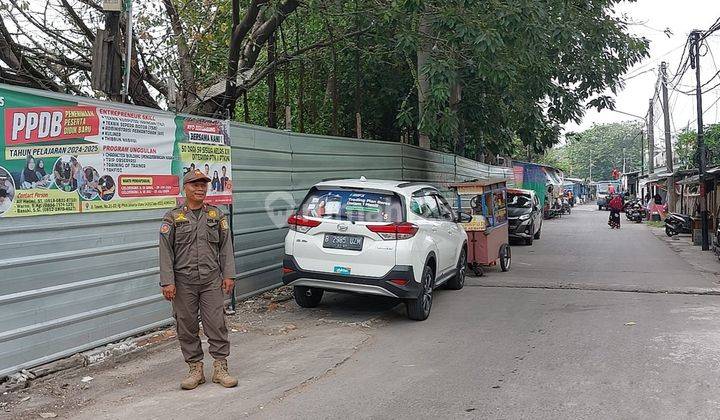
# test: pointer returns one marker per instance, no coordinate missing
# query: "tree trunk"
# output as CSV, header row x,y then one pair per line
x,y
423,55
358,77
301,82
455,98
480,150
286,84
272,86
334,91
246,108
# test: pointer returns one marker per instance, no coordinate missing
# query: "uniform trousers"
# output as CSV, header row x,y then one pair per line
x,y
208,301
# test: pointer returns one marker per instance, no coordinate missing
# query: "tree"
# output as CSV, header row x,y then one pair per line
x,y
686,147
603,148
489,72
525,67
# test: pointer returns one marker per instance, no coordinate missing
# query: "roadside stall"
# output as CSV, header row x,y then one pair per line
x,y
486,202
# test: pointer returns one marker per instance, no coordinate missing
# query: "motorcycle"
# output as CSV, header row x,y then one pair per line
x,y
676,223
635,211
565,206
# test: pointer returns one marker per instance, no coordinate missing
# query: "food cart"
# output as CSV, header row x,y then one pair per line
x,y
486,202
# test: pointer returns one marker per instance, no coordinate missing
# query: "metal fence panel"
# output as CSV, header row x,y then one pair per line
x,y
74,280
262,177
69,283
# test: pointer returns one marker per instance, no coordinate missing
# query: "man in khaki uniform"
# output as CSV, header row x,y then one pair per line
x,y
196,265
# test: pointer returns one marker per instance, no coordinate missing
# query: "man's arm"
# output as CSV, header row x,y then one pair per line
x,y
227,255
167,252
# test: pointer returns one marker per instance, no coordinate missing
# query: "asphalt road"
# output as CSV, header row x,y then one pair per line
x,y
533,353
485,352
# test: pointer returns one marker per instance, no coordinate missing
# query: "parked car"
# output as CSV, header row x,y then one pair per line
x,y
376,237
525,215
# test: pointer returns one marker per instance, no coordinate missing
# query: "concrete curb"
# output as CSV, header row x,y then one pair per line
x,y
602,288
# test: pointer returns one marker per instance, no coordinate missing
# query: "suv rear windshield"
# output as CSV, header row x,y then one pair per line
x,y
519,200
353,205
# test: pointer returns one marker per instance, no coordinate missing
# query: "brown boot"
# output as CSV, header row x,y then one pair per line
x,y
221,375
195,376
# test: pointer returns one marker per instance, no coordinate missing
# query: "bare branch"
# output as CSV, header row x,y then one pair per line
x,y
92,4
79,22
11,55
187,75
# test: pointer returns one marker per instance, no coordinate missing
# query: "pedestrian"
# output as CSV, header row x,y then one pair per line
x,y
616,206
658,199
196,266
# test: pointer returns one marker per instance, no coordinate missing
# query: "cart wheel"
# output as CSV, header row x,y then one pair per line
x,y
505,257
477,269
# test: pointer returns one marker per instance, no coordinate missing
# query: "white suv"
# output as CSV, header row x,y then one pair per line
x,y
387,238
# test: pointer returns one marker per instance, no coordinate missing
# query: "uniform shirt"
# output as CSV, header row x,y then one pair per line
x,y
195,249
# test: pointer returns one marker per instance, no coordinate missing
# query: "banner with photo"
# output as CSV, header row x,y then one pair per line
x,y
61,157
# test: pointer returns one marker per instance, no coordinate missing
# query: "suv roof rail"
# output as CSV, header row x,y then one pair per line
x,y
410,184
337,178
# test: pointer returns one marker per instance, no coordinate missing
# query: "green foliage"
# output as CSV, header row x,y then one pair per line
x,y
686,147
601,147
557,158
526,67
523,67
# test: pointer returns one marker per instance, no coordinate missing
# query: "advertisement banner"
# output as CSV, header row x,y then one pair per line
x,y
61,157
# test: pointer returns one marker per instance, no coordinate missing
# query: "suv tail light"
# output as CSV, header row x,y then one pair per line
x,y
393,231
299,223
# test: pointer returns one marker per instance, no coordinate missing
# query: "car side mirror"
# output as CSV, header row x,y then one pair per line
x,y
463,217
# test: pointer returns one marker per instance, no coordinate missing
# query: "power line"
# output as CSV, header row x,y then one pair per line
x,y
706,110
653,63
692,92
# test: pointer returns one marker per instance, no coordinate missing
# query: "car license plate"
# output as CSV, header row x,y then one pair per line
x,y
348,242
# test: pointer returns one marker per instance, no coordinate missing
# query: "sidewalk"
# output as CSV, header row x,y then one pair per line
x,y
276,349
703,261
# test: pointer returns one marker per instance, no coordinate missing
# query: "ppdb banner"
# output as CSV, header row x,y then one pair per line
x,y
61,157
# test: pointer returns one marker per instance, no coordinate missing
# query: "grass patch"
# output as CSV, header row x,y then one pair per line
x,y
655,224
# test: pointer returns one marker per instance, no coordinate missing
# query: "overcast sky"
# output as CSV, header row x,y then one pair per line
x,y
681,17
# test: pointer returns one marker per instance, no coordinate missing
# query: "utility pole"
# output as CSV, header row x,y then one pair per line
x,y
695,63
642,153
671,198
651,137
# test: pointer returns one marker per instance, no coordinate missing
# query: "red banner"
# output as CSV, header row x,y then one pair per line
x,y
44,124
